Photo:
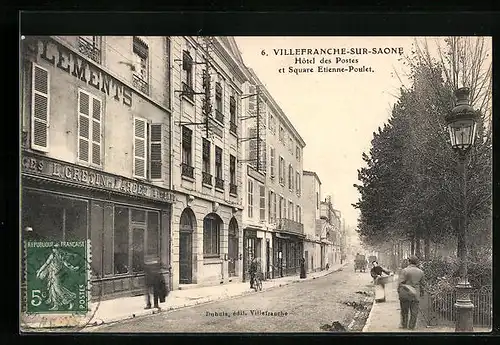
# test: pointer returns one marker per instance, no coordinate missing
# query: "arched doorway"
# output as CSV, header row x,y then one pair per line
x,y
186,229
232,246
212,227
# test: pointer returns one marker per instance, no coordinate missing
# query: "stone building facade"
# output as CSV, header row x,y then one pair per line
x,y
207,229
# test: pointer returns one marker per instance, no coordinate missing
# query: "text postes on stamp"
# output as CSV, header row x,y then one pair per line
x,y
57,277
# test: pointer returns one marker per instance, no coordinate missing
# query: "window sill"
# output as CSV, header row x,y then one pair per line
x,y
233,195
219,190
186,98
207,185
234,134
187,178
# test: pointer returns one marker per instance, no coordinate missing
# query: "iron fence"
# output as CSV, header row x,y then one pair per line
x,y
440,308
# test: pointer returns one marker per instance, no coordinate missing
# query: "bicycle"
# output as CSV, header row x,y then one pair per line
x,y
257,281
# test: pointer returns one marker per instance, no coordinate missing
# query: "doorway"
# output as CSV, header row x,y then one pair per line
x,y
232,247
186,247
268,259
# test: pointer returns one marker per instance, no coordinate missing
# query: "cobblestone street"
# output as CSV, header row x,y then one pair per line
x,y
304,307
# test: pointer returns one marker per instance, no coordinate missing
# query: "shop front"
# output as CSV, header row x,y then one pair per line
x,y
124,219
288,251
251,249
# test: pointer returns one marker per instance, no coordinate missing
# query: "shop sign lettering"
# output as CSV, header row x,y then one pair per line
x,y
71,63
83,176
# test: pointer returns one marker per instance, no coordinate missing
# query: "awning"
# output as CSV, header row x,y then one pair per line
x,y
289,236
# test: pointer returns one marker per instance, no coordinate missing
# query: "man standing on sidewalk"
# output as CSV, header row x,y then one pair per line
x,y
410,288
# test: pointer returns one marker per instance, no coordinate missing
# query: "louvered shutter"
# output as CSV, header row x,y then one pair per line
x,y
155,151
272,163
252,155
140,147
40,109
84,126
252,101
96,131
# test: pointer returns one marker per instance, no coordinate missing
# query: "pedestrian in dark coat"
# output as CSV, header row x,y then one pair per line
x,y
302,268
410,289
153,278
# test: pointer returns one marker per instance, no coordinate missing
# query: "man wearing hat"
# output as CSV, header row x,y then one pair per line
x,y
410,289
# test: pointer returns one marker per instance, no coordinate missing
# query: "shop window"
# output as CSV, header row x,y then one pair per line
x,y
121,248
211,233
153,233
53,217
138,239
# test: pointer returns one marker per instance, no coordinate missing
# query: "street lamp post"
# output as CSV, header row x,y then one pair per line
x,y
461,122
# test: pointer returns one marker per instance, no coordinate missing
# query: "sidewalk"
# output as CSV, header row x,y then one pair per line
x,y
120,309
385,316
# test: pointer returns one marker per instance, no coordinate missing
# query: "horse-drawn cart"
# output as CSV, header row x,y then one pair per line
x,y
360,263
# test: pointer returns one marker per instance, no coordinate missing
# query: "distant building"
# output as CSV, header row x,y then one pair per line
x,y
318,246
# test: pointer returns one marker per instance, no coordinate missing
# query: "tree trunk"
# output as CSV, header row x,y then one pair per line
x,y
417,248
412,246
427,249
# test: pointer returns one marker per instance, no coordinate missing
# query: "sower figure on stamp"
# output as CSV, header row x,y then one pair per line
x,y
410,288
152,277
51,271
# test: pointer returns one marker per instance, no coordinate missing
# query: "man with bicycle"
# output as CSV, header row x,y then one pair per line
x,y
253,271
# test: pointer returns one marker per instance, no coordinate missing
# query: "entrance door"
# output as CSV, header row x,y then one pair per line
x,y
268,260
185,257
186,228
232,247
249,254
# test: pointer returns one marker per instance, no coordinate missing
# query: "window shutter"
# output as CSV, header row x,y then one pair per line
x,y
140,147
96,131
252,156
155,151
84,126
252,101
40,109
273,167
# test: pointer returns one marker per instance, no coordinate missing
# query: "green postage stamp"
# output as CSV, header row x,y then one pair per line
x,y
57,276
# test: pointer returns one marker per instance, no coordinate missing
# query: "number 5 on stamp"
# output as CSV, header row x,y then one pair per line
x,y
57,277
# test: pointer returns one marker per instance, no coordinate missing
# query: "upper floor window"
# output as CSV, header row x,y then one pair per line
x,y
141,73
272,153
187,83
90,46
262,202
297,183
290,210
219,115
270,205
232,114
219,182
298,216
290,177
250,198
317,200
89,128
40,112
207,178
272,124
297,152
147,149
291,147
232,174
282,172
282,134
187,163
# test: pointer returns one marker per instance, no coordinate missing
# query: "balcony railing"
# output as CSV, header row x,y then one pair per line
x,y
233,189
232,127
140,84
89,49
219,116
219,183
188,91
187,170
207,178
291,226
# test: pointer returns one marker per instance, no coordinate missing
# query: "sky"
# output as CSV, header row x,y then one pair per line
x,y
335,113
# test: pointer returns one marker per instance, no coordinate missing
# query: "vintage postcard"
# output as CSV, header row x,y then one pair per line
x,y
255,184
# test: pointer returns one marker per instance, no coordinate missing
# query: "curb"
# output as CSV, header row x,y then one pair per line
x,y
368,320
